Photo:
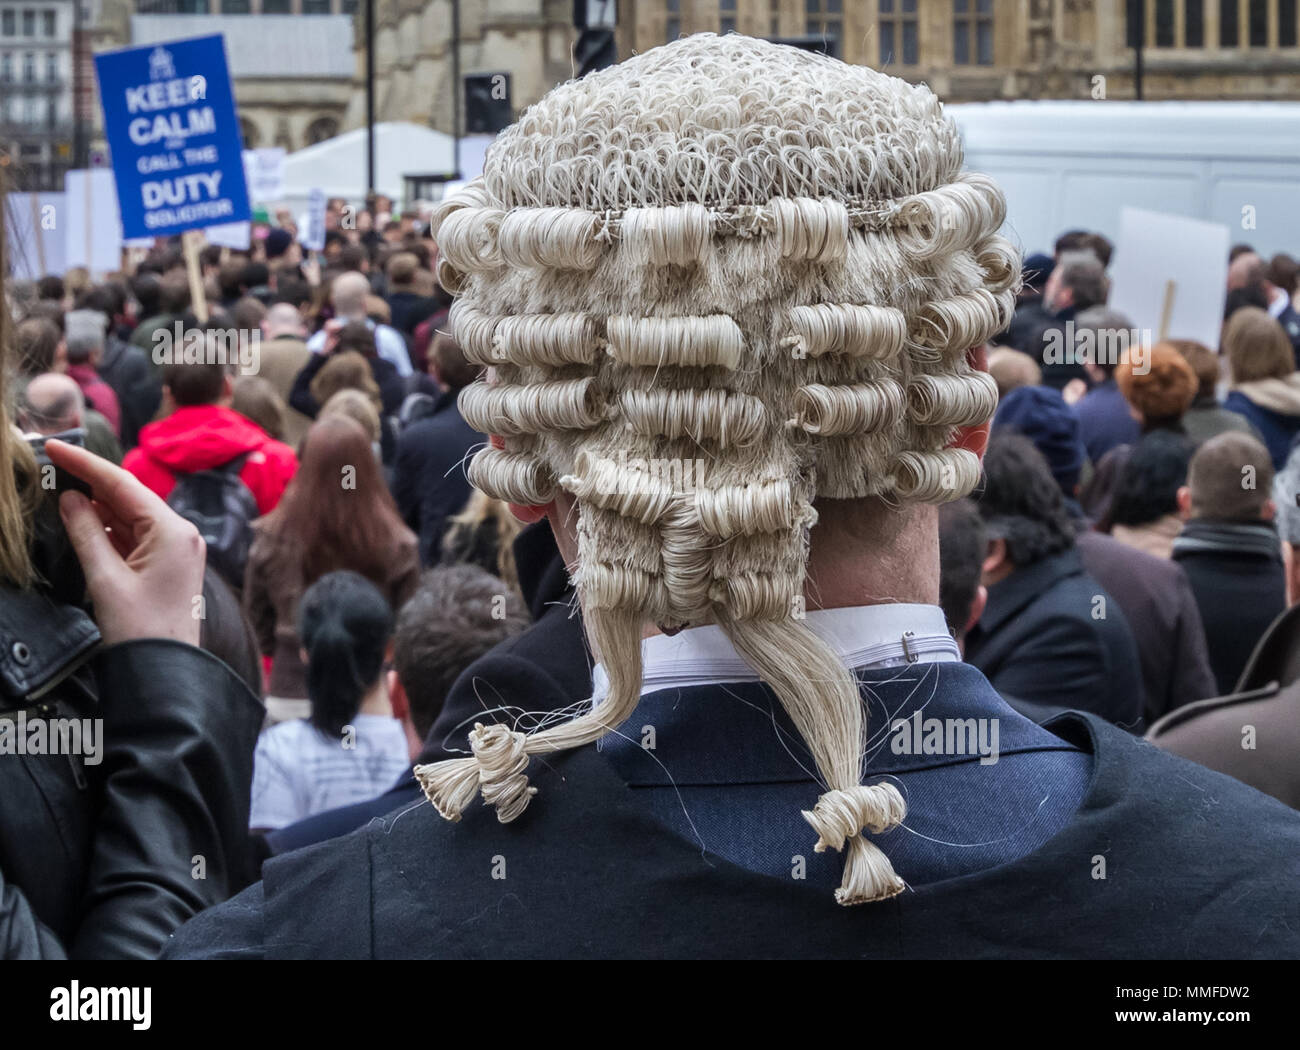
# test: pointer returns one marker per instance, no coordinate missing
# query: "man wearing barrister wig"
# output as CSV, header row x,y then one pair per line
x,y
728,292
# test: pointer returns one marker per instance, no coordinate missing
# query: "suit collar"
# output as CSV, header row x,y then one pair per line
x,y
1026,585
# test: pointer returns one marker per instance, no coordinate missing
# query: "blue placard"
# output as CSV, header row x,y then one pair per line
x,y
170,120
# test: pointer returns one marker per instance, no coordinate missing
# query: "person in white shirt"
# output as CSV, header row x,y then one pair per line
x,y
348,297
352,747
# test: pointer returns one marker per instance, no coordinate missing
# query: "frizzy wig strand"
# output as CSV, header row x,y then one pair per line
x,y
715,283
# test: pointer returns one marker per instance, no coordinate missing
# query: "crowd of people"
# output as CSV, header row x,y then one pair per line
x,y
1141,499
364,632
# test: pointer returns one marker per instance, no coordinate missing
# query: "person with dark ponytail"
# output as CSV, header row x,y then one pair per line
x,y
351,748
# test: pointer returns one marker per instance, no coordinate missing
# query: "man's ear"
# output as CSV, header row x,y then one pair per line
x,y
1291,561
1268,511
995,558
227,389
523,511
1184,498
401,705
974,438
528,514
976,608
397,696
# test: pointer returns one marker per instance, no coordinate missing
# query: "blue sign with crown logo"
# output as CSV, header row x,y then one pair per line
x,y
173,130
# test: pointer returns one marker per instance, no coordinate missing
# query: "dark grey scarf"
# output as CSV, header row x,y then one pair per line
x,y
1228,537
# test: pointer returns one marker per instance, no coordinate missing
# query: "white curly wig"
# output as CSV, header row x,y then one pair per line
x,y
734,253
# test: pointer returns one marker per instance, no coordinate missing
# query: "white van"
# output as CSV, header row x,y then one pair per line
x,y
1074,165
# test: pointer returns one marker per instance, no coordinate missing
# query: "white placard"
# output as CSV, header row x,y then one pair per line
x,y
1170,275
264,173
312,236
236,235
92,225
34,227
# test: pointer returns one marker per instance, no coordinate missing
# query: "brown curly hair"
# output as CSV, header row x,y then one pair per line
x,y
1164,390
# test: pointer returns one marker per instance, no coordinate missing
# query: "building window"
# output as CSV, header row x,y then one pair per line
x,y
29,23
236,7
315,7
972,32
275,7
899,36
6,67
29,68
320,129
1258,23
349,7
1194,24
172,7
248,132
1163,26
1227,23
727,16
1246,23
52,68
825,18
47,23
8,23
673,23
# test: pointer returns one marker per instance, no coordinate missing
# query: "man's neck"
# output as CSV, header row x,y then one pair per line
x,y
376,702
866,553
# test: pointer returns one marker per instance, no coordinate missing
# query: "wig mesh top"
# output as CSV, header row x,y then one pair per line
x,y
724,122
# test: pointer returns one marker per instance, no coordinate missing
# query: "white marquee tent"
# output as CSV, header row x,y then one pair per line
x,y
338,165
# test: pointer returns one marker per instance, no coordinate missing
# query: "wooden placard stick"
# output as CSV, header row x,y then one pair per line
x,y
1167,309
192,244
39,231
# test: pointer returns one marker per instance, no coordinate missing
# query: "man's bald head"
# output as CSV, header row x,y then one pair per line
x,y
51,404
348,294
1247,270
283,319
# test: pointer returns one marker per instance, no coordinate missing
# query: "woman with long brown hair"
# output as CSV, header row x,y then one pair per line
x,y
336,514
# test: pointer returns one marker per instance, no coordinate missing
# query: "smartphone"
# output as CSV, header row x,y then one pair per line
x,y
51,478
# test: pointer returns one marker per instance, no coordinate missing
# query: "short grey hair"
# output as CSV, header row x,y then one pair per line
x,y
1111,332
83,334
1084,275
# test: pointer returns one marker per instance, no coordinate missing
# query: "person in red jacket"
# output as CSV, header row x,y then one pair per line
x,y
202,433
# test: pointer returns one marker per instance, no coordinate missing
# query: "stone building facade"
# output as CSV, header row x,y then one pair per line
x,y
291,61
527,41
975,50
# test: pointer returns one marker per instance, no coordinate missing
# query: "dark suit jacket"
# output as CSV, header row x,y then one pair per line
x,y
1239,594
1162,613
591,870
429,480
1045,647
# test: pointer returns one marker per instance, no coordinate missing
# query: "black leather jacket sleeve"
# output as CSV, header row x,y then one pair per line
x,y
172,834
22,934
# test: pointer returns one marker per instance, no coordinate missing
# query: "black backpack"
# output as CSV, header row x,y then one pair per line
x,y
222,508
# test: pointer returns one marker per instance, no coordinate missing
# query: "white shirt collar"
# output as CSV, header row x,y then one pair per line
x,y
1278,304
864,636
